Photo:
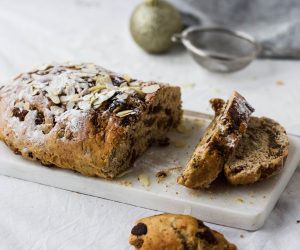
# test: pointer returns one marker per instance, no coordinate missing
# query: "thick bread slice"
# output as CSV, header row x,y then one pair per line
x,y
261,153
85,118
218,143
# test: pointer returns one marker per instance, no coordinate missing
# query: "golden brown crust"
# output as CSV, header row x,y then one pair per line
x,y
218,143
176,232
261,154
85,118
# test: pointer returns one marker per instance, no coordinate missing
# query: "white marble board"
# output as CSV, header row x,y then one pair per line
x,y
245,207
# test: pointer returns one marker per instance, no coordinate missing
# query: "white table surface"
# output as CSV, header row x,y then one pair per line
x,y
34,32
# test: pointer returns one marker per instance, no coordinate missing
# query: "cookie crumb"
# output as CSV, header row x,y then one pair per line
x,y
280,83
189,85
161,175
125,183
241,236
144,180
240,200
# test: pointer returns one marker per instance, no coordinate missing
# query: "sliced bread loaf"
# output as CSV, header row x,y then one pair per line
x,y
261,153
218,143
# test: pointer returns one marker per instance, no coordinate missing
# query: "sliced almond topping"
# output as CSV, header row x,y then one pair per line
x,y
84,105
127,78
54,98
97,88
125,113
44,67
56,110
150,89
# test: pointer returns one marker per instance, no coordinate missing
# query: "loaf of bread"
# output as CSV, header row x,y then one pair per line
x,y
85,118
176,232
261,153
218,143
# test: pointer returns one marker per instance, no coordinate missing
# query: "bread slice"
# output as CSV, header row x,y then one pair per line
x,y
261,153
218,143
85,118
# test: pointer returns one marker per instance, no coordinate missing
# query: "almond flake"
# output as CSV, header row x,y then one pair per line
x,y
54,98
97,88
102,97
150,89
135,84
103,79
56,110
127,78
44,67
84,105
125,113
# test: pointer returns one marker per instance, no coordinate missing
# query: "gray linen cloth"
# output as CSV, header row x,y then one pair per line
x,y
274,23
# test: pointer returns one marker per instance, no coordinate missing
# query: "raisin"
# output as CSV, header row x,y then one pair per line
x,y
20,113
116,80
139,229
39,119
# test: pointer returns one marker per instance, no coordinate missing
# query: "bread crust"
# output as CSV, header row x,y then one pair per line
x,y
241,170
96,140
218,143
176,232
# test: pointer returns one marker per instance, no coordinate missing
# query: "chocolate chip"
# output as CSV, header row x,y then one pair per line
x,y
207,235
19,113
30,155
139,229
40,119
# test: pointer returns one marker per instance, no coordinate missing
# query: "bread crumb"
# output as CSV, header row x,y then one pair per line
x,y
144,180
125,183
199,122
240,200
181,128
178,143
189,85
241,235
280,83
161,175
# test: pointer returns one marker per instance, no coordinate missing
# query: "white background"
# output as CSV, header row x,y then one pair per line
x,y
35,32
